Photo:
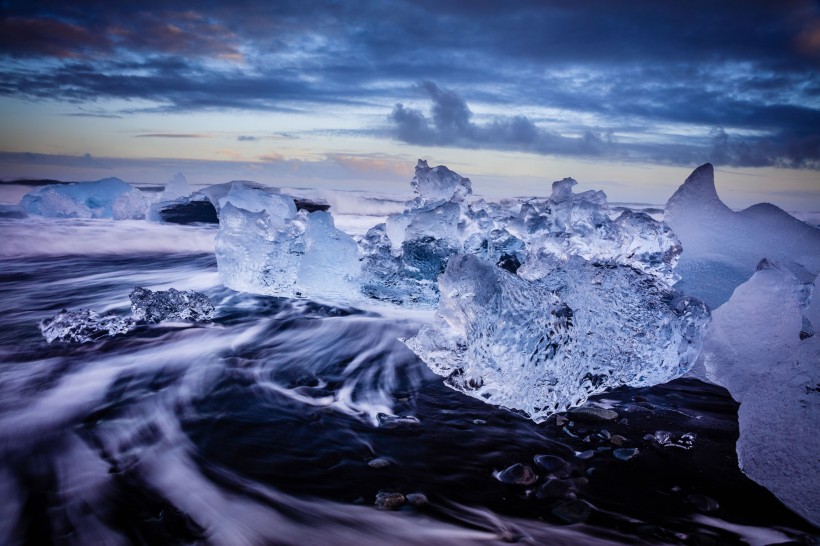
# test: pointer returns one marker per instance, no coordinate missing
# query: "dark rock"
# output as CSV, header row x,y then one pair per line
x,y
703,503
553,489
625,453
592,413
518,474
572,511
386,500
379,462
189,212
417,499
554,465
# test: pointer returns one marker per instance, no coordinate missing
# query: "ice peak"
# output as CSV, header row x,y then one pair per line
x,y
766,263
439,184
562,189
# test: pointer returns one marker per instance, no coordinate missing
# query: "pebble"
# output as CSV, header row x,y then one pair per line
x,y
592,413
560,420
585,455
379,462
625,453
518,474
617,440
703,503
556,466
479,422
572,511
386,500
417,499
553,489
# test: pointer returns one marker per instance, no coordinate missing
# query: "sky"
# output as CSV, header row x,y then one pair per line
x,y
628,97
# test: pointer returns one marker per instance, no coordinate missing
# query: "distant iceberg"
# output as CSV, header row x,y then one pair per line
x,y
721,248
106,198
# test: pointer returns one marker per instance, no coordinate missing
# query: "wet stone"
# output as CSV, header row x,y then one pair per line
x,y
397,421
593,414
554,465
379,462
572,511
625,453
702,503
518,474
560,420
386,500
617,440
585,455
554,489
417,499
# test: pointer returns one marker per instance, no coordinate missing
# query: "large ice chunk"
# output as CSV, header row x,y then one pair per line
x,y
546,345
106,198
330,264
721,248
172,304
265,246
753,347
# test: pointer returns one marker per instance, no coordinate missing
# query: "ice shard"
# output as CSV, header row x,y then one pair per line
x,y
544,345
721,247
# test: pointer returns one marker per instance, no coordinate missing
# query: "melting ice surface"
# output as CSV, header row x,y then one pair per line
x,y
106,198
761,348
722,247
545,346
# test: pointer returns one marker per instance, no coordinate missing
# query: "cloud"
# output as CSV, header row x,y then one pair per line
x,y
587,74
245,138
171,135
450,124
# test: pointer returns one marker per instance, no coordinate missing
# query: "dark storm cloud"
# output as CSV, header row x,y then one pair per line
x,y
748,68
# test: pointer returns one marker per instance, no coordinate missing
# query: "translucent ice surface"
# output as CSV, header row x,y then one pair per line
x,y
106,198
404,256
187,305
545,345
265,246
753,347
721,248
83,326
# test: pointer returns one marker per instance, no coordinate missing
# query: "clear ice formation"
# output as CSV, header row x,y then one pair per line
x,y
172,304
403,257
83,326
545,345
721,247
266,246
753,347
106,198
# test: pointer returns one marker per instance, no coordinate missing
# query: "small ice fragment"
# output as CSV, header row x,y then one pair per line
x,y
153,307
83,326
